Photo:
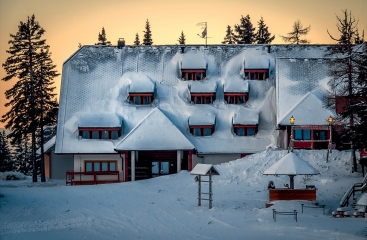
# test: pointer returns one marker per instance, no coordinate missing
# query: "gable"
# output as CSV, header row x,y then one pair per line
x,y
154,132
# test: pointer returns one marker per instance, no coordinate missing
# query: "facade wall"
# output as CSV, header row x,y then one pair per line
x,y
213,158
79,166
59,165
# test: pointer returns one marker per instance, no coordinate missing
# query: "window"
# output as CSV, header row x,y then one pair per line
x,y
235,98
320,135
241,130
193,74
260,74
302,134
141,98
94,133
202,130
100,166
202,98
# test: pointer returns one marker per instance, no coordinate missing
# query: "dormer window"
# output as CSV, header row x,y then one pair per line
x,y
99,133
202,98
193,74
141,98
203,92
202,130
235,98
99,126
245,130
256,74
202,124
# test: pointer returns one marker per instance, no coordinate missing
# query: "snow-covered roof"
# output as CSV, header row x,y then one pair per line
x,y
256,59
308,111
204,119
102,85
102,120
233,86
204,169
193,59
140,83
49,144
246,117
301,86
203,87
145,137
291,164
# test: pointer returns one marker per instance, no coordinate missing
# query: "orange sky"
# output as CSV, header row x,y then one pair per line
x,y
69,22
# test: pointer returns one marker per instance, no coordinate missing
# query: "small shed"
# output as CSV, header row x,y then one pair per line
x,y
204,170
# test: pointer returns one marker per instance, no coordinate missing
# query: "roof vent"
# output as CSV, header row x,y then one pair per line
x,y
121,43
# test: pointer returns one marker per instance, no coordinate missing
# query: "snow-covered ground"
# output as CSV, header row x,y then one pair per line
x,y
166,207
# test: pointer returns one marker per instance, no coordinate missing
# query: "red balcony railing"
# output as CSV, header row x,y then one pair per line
x,y
78,178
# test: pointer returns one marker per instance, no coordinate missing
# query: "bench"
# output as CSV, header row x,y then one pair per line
x,y
314,206
343,212
294,213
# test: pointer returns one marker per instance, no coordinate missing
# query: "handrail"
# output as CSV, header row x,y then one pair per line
x,y
71,175
345,199
357,187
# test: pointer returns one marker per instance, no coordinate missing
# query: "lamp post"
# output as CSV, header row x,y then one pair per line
x,y
330,121
291,121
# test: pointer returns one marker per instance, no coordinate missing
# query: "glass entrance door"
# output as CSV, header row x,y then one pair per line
x,y
160,168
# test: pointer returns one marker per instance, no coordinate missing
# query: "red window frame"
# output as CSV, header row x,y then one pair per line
x,y
141,96
200,98
256,74
100,165
236,97
201,127
188,74
100,132
245,128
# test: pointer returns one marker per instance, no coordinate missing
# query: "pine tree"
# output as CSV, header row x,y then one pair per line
x,y
137,41
182,38
31,96
147,41
230,37
263,36
245,31
6,163
102,39
344,70
22,156
295,37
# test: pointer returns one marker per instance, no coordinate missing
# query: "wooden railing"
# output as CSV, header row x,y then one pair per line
x,y
76,178
357,187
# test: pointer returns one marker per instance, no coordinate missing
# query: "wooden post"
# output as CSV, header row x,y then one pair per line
x,y
291,178
199,192
132,165
210,189
179,161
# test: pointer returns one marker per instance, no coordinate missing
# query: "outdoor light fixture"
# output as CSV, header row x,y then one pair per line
x,y
292,120
330,120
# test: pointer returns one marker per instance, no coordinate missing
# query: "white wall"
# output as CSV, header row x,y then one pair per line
x,y
79,164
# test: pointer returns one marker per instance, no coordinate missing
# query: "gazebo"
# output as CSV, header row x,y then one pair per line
x,y
292,165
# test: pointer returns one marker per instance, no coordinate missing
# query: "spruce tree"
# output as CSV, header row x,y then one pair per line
x,y
6,163
245,32
102,38
182,38
30,64
230,37
263,36
147,41
22,156
345,71
137,41
295,37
